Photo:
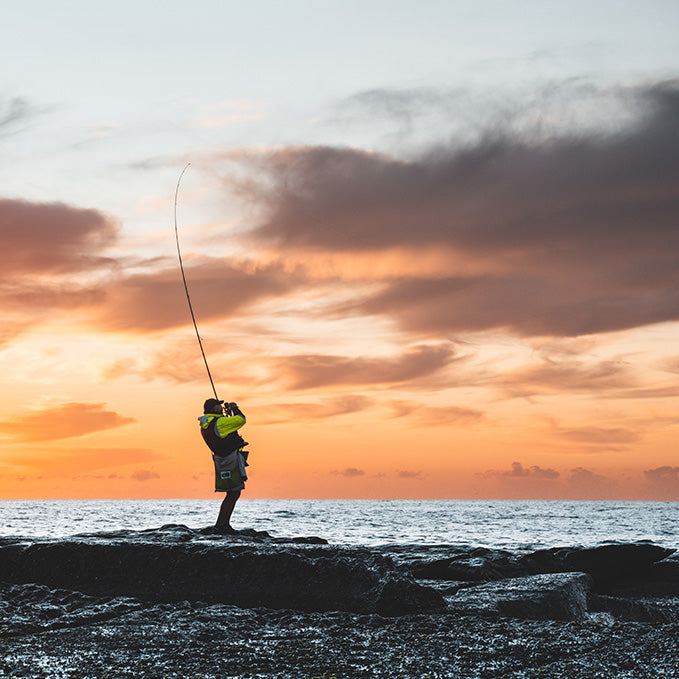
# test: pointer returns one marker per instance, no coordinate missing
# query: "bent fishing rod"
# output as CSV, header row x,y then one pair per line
x,y
186,287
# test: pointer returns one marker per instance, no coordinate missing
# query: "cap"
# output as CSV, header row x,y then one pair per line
x,y
209,405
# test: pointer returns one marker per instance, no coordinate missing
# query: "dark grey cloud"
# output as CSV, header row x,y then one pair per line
x,y
577,233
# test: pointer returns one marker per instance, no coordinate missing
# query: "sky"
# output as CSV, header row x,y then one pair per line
x,y
432,247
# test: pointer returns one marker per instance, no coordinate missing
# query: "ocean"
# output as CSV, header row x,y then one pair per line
x,y
504,524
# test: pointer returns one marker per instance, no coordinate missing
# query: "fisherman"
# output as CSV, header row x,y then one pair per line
x,y
219,426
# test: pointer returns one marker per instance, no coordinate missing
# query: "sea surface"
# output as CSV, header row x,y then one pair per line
x,y
505,524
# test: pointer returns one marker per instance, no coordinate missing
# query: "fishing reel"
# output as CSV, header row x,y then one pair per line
x,y
227,409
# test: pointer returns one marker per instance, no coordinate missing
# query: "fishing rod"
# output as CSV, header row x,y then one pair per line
x,y
186,287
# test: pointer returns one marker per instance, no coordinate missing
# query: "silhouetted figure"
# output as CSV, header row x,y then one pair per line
x,y
219,426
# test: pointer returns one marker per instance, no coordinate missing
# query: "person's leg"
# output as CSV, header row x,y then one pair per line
x,y
225,511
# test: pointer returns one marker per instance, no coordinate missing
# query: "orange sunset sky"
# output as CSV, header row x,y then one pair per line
x,y
432,248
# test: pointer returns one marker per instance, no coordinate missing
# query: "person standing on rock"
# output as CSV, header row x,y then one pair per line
x,y
219,427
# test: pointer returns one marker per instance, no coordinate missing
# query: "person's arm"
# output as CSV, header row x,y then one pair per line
x,y
229,423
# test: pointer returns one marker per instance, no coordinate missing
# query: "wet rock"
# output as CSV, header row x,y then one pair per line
x,y
558,596
610,560
174,563
31,608
190,639
658,580
511,627
660,610
479,565
543,561
615,560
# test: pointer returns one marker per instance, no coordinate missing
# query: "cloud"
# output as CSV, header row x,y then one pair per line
x,y
54,255
308,371
58,262
664,482
21,295
293,413
349,472
144,475
405,474
600,436
585,484
64,462
63,421
671,365
53,238
556,375
12,328
436,415
518,471
13,111
662,474
569,235
219,289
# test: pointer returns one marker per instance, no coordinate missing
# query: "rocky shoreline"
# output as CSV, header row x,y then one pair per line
x,y
180,602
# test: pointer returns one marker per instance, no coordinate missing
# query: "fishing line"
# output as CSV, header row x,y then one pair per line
x,y
186,287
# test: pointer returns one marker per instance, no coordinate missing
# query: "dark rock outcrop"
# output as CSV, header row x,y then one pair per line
x,y
175,563
638,581
604,563
476,565
558,596
253,569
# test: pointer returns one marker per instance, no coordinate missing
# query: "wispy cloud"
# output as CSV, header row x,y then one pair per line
x,y
280,413
219,289
63,462
308,371
573,374
63,421
13,111
436,415
600,436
